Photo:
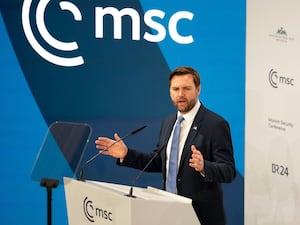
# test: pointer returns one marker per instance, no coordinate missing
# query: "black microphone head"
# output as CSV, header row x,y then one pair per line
x,y
138,130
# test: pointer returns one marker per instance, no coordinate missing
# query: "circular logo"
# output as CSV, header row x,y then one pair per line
x,y
273,78
88,208
45,34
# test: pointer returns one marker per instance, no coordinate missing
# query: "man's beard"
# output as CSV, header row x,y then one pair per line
x,y
187,108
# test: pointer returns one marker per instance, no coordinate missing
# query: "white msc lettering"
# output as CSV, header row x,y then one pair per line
x,y
149,16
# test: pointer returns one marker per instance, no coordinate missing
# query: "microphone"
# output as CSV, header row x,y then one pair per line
x,y
106,149
143,170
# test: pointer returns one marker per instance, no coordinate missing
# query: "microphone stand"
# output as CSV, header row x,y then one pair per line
x,y
143,170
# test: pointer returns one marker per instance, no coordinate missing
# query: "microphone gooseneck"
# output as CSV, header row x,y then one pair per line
x,y
143,170
80,177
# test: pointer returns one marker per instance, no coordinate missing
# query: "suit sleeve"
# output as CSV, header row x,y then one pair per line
x,y
220,166
138,160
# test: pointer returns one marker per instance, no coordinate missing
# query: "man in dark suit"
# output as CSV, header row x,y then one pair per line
x,y
205,154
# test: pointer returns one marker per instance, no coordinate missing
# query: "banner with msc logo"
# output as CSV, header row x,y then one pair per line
x,y
149,18
272,178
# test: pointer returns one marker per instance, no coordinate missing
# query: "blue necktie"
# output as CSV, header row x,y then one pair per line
x,y
173,161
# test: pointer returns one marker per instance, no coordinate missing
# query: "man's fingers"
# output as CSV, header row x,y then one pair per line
x,y
116,136
103,142
193,148
196,160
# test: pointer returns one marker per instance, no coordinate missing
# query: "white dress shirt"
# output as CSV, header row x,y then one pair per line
x,y
184,130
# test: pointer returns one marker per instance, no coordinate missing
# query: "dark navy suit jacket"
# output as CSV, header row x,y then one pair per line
x,y
210,133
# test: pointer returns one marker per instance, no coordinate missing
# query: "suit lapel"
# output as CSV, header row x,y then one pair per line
x,y
192,133
169,127
166,133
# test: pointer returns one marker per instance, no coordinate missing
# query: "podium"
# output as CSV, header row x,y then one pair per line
x,y
92,202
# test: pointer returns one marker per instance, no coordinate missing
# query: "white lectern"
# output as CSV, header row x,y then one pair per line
x,y
91,202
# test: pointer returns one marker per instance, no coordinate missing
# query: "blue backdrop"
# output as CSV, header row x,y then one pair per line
x,y
121,85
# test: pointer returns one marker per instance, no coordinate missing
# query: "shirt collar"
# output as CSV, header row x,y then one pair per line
x,y
189,116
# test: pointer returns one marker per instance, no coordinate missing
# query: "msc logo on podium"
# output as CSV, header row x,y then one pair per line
x,y
92,213
152,18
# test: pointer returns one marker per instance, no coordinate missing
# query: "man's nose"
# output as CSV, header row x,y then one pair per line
x,y
181,92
